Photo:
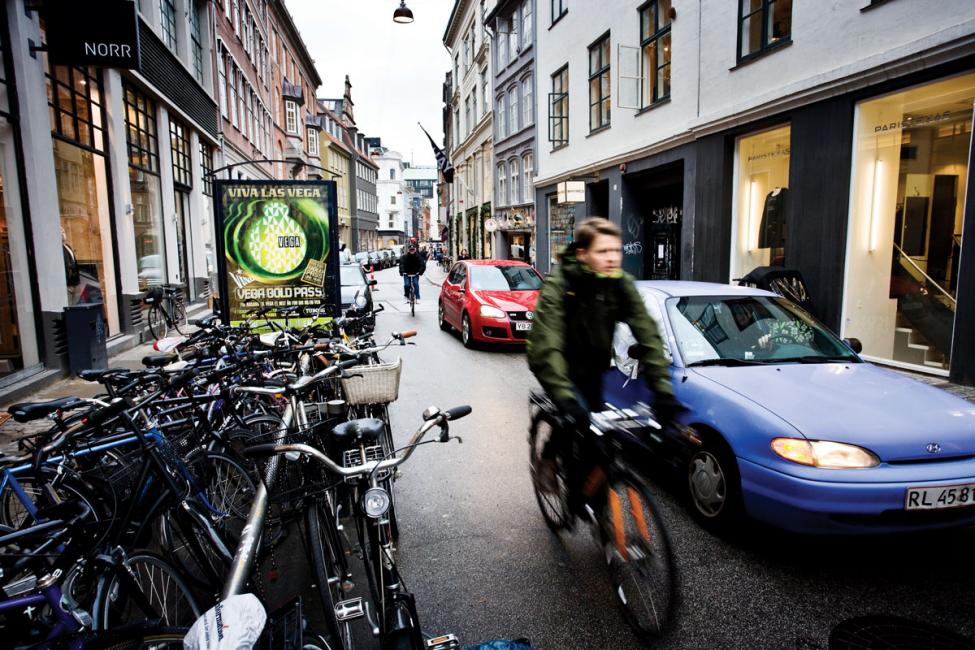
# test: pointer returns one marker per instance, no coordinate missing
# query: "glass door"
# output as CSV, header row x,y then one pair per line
x,y
182,232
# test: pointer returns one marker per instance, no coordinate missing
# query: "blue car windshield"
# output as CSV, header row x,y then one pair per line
x,y
504,278
722,330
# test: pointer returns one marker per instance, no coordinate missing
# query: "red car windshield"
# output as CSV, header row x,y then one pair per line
x,y
505,278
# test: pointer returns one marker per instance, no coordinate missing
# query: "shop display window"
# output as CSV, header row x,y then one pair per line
x,y
561,227
11,352
761,200
910,172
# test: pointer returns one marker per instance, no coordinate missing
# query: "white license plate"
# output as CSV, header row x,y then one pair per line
x,y
942,496
523,326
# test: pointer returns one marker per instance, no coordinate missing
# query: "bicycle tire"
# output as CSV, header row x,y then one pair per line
x,y
179,315
639,556
162,638
156,579
156,319
189,544
323,552
13,513
554,507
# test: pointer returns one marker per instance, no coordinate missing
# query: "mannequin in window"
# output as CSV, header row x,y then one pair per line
x,y
772,230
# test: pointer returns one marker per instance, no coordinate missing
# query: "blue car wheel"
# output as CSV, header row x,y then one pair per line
x,y
714,487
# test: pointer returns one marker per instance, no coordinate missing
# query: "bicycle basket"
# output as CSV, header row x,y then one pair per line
x,y
378,384
153,295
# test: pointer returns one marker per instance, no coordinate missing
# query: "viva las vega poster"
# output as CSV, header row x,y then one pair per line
x,y
278,248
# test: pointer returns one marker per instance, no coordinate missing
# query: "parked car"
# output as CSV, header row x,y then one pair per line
x,y
492,301
362,258
356,287
387,256
375,259
792,427
397,252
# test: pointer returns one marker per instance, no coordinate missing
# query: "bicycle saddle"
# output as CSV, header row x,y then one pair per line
x,y
97,374
206,321
28,411
158,360
362,430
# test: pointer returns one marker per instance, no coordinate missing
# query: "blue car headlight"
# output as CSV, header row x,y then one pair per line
x,y
825,454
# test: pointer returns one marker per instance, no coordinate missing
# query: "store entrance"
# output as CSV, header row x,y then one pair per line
x,y
911,171
182,244
653,230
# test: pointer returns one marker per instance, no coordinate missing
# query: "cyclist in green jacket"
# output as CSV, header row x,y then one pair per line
x,y
571,343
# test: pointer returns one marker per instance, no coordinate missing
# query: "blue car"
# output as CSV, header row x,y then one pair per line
x,y
791,427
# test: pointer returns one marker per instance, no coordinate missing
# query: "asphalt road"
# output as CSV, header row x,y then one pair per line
x,y
476,553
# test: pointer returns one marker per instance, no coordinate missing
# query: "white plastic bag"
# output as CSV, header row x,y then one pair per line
x,y
233,624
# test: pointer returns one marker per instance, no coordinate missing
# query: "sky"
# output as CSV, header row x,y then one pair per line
x,y
397,71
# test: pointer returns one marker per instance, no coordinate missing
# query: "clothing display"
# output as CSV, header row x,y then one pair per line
x,y
771,232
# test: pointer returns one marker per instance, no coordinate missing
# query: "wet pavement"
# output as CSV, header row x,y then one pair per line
x,y
482,564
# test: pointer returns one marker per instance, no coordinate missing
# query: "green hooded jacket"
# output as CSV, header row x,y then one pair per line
x,y
571,343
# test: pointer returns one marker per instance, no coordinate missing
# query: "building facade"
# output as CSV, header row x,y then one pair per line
x,y
337,158
104,183
835,140
513,70
422,182
470,137
395,206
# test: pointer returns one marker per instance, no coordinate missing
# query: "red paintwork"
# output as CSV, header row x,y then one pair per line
x,y
456,303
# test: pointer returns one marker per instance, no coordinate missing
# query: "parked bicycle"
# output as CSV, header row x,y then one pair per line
x,y
599,479
166,310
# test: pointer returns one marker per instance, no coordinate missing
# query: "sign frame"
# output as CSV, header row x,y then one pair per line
x,y
331,283
571,192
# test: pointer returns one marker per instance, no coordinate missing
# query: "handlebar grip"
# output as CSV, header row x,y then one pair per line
x,y
408,334
259,450
458,412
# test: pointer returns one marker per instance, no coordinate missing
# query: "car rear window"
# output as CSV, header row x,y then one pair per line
x,y
505,278
351,276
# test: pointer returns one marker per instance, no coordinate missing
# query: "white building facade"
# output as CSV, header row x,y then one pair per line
x,y
831,138
470,147
394,199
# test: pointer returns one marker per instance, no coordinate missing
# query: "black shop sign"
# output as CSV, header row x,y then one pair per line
x,y
104,32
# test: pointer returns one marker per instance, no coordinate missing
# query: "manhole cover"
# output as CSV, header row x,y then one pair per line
x,y
893,633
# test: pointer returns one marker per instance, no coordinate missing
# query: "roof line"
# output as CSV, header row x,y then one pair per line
x,y
299,42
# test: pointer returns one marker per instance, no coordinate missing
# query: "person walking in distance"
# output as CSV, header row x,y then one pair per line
x,y
411,267
570,346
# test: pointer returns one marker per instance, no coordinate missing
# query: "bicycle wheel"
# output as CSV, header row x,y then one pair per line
x,y
641,563
178,313
324,549
554,504
14,513
412,303
190,543
157,322
159,586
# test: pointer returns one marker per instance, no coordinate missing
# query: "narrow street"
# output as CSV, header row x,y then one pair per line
x,y
477,554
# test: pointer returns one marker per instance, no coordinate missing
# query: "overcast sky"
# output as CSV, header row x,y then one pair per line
x,y
397,71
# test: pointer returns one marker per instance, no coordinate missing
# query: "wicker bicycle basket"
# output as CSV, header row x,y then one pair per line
x,y
378,384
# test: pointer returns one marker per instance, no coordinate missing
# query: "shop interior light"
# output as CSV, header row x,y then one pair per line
x,y
752,229
875,205
402,14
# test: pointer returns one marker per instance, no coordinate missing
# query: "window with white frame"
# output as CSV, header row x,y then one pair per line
x,y
485,93
504,26
234,106
236,16
528,165
502,184
513,109
514,28
599,84
514,168
291,117
222,81
196,40
499,115
312,141
526,24
559,9
558,108
527,102
467,114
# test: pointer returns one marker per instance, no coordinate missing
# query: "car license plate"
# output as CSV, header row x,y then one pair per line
x,y
942,496
523,326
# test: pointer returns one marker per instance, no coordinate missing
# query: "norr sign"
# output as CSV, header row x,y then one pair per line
x,y
103,33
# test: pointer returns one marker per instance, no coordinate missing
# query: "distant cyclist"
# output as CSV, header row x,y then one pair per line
x,y
571,343
411,267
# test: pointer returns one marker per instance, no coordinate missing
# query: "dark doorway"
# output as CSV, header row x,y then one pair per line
x,y
597,199
651,230
941,239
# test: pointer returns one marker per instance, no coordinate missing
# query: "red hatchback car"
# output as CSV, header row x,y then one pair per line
x,y
492,301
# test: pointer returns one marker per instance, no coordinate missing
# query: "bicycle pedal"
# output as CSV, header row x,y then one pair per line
x,y
349,610
444,642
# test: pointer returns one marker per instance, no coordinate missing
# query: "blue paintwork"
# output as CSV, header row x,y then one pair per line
x,y
858,403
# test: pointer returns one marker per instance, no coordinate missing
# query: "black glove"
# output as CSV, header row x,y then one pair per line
x,y
574,413
668,409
